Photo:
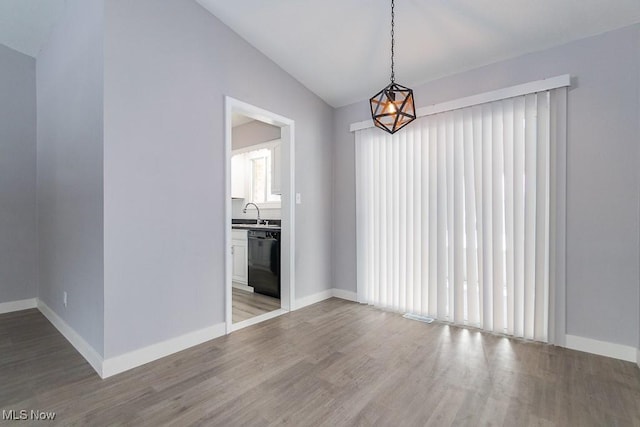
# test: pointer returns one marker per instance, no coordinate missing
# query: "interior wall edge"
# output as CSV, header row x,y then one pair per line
x,y
75,339
124,362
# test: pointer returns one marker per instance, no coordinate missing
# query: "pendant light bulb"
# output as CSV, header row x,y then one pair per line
x,y
390,108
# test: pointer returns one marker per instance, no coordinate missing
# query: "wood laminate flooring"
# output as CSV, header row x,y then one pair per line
x,y
334,363
246,305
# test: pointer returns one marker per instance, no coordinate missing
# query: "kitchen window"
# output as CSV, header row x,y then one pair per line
x,y
252,176
260,167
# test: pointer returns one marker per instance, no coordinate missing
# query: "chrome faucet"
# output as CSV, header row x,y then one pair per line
x,y
259,221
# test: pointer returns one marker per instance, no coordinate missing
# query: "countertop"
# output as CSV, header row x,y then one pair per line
x,y
251,225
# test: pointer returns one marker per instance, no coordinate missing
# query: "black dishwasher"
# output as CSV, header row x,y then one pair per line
x,y
264,261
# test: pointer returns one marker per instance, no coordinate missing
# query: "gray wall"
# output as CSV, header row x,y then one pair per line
x,y
253,133
602,181
18,239
70,143
169,64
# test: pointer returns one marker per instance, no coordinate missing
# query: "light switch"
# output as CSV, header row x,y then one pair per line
x,y
298,199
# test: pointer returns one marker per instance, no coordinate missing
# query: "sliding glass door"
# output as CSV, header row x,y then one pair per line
x,y
453,216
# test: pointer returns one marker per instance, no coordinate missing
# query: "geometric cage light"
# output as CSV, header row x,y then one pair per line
x,y
393,107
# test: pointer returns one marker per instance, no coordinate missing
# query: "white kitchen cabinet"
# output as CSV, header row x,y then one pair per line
x,y
276,169
240,252
238,176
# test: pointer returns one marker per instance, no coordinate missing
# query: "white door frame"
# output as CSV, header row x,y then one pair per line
x,y
287,267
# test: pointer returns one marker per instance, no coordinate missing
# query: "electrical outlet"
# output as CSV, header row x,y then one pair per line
x,y
64,298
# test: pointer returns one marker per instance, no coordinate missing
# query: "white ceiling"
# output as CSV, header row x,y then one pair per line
x,y
339,49
26,24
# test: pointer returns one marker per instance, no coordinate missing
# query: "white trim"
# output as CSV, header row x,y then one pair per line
x,y
289,213
287,126
482,98
228,231
258,319
312,299
83,347
124,362
242,287
346,295
602,348
24,304
638,358
117,364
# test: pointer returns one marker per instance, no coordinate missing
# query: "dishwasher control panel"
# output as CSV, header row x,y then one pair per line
x,y
263,234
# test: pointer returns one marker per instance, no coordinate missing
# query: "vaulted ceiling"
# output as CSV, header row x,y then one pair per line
x,y
26,24
339,49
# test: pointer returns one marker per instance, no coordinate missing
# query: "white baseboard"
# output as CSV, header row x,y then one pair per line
x,y
115,365
242,287
124,362
257,319
24,304
602,348
321,296
347,295
83,347
127,361
312,299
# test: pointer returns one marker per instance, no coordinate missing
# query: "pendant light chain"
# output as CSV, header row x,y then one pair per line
x,y
393,41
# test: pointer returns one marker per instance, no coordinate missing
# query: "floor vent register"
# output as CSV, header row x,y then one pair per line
x,y
425,319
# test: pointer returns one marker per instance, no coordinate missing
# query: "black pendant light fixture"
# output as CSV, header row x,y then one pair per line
x,y
393,108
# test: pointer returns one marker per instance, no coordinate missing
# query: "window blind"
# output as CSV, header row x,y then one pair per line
x,y
453,215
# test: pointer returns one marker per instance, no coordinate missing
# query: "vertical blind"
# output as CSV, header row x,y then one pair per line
x,y
453,216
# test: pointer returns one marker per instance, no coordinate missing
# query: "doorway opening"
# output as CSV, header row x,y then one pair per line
x,y
259,229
